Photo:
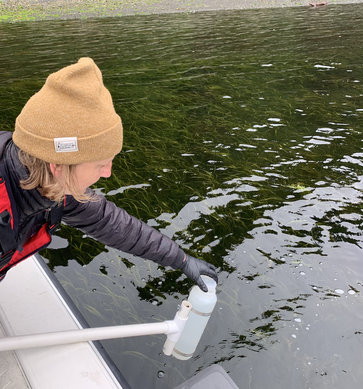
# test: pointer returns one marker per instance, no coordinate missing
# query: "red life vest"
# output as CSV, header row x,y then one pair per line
x,y
11,253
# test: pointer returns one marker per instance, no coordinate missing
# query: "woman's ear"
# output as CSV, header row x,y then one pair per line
x,y
55,169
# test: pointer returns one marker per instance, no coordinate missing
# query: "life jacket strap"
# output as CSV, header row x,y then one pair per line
x,y
6,258
55,218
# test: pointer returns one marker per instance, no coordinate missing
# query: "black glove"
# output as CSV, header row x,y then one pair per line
x,y
195,267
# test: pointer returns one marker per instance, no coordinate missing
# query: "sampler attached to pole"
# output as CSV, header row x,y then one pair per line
x,y
203,304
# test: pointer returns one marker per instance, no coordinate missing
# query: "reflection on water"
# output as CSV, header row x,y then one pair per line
x,y
243,141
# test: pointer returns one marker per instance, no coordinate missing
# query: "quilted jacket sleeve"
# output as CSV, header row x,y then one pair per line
x,y
113,226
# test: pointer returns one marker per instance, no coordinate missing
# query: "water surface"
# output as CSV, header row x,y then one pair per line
x,y
243,142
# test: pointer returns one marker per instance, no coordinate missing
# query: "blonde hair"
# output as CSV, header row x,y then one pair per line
x,y
42,178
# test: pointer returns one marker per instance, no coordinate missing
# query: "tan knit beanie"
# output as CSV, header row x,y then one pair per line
x,y
71,119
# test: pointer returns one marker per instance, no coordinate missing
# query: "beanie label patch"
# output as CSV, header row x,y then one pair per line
x,y
65,145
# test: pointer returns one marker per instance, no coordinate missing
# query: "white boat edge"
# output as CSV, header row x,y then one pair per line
x,y
32,301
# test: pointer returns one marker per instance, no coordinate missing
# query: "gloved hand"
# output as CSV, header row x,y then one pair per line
x,y
193,268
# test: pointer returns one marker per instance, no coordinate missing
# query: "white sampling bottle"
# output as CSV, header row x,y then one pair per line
x,y
203,304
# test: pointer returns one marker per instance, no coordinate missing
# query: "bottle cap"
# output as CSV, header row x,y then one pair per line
x,y
211,284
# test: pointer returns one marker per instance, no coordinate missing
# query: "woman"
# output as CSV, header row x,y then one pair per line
x,y
65,139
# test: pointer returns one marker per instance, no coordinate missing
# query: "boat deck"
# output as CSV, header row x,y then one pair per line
x,y
30,303
11,375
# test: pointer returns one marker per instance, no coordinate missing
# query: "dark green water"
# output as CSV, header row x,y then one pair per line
x,y
243,142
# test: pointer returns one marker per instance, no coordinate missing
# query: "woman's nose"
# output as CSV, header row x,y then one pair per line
x,y
106,171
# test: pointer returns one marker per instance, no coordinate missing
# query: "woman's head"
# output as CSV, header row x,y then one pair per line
x,y
68,132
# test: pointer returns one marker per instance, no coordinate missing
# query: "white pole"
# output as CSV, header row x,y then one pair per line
x,y
81,335
89,334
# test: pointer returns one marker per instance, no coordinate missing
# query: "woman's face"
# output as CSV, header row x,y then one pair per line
x,y
86,174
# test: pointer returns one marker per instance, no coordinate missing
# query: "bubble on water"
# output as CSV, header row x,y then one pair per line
x,y
154,302
94,290
302,273
161,374
298,320
339,291
351,291
143,279
227,97
293,335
